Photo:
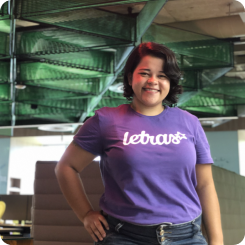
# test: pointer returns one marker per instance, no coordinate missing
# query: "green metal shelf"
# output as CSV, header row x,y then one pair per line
x,y
92,21
81,85
24,111
40,71
37,93
211,99
231,87
35,7
212,111
89,61
75,105
4,72
4,45
5,91
5,109
60,41
193,51
4,11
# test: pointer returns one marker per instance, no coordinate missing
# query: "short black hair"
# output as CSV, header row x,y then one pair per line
x,y
171,69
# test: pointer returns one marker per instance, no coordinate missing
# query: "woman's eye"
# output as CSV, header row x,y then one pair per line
x,y
162,76
144,74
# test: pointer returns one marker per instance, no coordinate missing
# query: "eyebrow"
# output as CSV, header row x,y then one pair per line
x,y
149,70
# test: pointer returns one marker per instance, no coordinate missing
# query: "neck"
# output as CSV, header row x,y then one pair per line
x,y
147,111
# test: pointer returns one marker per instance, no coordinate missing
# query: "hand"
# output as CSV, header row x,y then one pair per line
x,y
92,223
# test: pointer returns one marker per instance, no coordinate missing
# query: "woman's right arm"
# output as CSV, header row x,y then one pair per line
x,y
73,161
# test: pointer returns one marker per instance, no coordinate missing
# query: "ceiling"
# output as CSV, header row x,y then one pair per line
x,y
69,56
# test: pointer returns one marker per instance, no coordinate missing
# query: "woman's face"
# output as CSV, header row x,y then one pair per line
x,y
150,84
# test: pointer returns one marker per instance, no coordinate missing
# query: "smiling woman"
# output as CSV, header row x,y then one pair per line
x,y
154,191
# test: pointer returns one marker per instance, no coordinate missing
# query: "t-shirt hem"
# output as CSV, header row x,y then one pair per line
x,y
142,222
205,161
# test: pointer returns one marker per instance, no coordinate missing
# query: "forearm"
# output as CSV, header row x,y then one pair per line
x,y
72,188
211,214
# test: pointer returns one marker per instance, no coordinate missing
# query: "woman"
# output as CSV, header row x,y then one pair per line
x,y
155,163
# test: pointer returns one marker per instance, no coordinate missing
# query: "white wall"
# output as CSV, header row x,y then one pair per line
x,y
241,145
26,151
4,161
224,149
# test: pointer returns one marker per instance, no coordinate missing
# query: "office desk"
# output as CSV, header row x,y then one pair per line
x,y
18,241
6,229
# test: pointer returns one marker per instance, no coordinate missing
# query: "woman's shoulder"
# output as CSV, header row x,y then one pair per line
x,y
112,111
183,114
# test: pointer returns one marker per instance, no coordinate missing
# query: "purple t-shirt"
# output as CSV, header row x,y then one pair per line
x,y
147,163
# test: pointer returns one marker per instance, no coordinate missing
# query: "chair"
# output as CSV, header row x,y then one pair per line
x,y
54,222
18,207
2,208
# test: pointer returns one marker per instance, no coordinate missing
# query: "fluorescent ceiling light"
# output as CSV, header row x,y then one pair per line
x,y
20,86
217,118
39,125
57,128
215,121
208,122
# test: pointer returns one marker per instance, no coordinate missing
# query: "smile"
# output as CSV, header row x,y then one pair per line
x,y
151,90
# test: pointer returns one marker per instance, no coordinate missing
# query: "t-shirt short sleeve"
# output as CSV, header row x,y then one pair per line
x,y
202,146
89,136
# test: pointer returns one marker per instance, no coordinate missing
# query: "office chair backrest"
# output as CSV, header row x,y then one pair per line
x,y
18,207
54,222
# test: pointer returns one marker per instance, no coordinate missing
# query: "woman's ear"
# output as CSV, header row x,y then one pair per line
x,y
130,79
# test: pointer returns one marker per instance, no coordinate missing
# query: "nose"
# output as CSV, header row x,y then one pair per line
x,y
152,79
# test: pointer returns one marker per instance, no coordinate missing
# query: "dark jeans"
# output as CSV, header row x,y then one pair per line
x,y
188,233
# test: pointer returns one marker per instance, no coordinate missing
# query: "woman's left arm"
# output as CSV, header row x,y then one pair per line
x,y
210,204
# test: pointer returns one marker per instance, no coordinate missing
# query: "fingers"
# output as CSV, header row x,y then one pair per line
x,y
93,223
104,221
98,230
92,235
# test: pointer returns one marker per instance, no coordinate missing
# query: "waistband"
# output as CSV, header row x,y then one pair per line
x,y
157,233
150,229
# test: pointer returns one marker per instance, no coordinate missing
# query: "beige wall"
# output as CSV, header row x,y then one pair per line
x,y
230,189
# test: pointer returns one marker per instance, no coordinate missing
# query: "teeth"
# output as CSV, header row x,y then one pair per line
x,y
148,89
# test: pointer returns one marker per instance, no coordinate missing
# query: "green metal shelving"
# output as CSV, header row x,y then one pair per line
x,y
74,53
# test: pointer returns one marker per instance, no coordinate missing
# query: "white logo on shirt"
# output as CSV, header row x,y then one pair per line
x,y
160,139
